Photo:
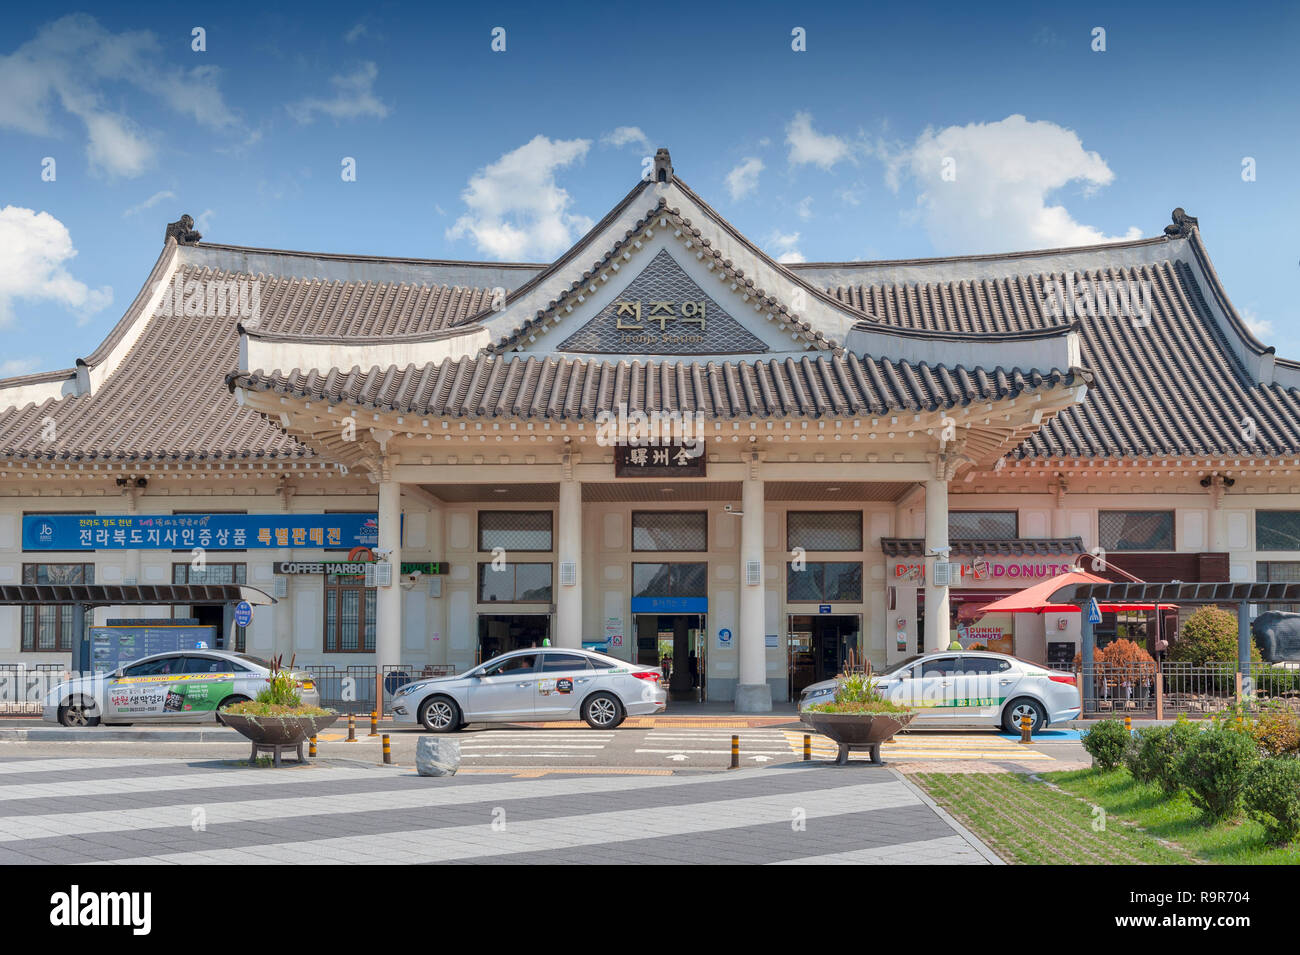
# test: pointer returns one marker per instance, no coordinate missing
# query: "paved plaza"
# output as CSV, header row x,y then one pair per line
x,y
69,809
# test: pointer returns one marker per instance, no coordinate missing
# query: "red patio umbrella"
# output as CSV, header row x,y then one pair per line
x,y
1038,598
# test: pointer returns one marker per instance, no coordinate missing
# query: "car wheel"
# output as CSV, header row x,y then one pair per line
x,y
602,711
229,701
78,712
440,714
1023,706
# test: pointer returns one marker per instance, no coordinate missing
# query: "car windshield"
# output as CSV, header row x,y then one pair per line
x,y
898,668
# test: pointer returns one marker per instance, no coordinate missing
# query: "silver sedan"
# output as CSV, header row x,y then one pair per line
x,y
537,684
167,687
971,688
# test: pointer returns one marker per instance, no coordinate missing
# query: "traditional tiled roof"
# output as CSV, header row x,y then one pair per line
x,y
1194,381
1170,386
166,402
562,388
1015,547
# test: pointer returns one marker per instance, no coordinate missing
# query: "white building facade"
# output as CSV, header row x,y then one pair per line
x,y
665,445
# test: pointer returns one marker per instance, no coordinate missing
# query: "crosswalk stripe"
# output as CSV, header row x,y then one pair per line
x,y
14,828
566,832
178,783
68,763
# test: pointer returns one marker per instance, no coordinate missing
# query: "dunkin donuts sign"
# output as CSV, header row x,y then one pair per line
x,y
981,569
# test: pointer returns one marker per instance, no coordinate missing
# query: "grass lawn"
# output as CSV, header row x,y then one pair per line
x,y
1027,821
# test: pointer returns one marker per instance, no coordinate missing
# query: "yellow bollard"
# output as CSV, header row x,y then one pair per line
x,y
352,727
735,751
1128,724
311,747
1026,729
388,752
374,723
807,747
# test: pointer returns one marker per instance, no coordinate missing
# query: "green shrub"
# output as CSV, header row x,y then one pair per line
x,y
1214,767
280,690
1106,743
1273,797
1209,636
857,693
1277,731
1145,754
1181,734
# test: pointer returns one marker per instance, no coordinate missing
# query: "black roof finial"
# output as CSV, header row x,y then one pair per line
x,y
182,230
1183,224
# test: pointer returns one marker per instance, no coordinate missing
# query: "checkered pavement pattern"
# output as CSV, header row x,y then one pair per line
x,y
209,812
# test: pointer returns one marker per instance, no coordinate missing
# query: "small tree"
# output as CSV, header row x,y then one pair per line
x,y
1209,636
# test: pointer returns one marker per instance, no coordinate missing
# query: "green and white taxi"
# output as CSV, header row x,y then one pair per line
x,y
183,687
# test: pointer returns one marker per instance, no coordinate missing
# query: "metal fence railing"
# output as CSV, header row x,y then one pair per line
x,y
1164,690
352,689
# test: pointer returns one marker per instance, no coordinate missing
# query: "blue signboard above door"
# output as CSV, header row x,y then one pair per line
x,y
670,604
77,532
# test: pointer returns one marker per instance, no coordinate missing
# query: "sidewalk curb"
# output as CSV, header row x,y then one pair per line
x,y
988,854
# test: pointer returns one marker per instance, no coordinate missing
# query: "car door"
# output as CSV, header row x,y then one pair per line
x,y
507,690
139,694
933,690
208,680
561,683
974,690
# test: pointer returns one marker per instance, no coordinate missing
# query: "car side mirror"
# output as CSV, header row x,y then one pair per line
x,y
117,673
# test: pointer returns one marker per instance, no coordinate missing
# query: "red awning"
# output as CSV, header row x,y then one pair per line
x,y
1038,598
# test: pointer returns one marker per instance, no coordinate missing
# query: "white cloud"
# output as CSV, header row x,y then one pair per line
x,y
13,367
77,65
356,33
783,244
516,208
354,97
743,180
34,267
203,221
1001,175
804,209
1259,327
626,136
807,146
149,203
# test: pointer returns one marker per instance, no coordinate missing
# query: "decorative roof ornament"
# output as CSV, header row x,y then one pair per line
x,y
1183,224
182,230
663,165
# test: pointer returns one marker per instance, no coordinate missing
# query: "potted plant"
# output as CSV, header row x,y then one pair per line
x,y
859,717
277,720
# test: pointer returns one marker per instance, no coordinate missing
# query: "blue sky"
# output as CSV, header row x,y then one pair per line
x,y
463,152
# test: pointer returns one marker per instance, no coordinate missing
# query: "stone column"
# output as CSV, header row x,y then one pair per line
x,y
1218,520
388,600
753,694
568,597
936,539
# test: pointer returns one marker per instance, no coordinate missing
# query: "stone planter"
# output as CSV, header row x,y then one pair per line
x,y
857,730
275,734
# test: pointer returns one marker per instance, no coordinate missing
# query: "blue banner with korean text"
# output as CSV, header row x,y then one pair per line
x,y
80,532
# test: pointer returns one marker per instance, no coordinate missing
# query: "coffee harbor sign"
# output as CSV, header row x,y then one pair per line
x,y
982,570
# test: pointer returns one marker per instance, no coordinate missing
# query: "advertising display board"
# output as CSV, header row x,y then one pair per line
x,y
118,644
